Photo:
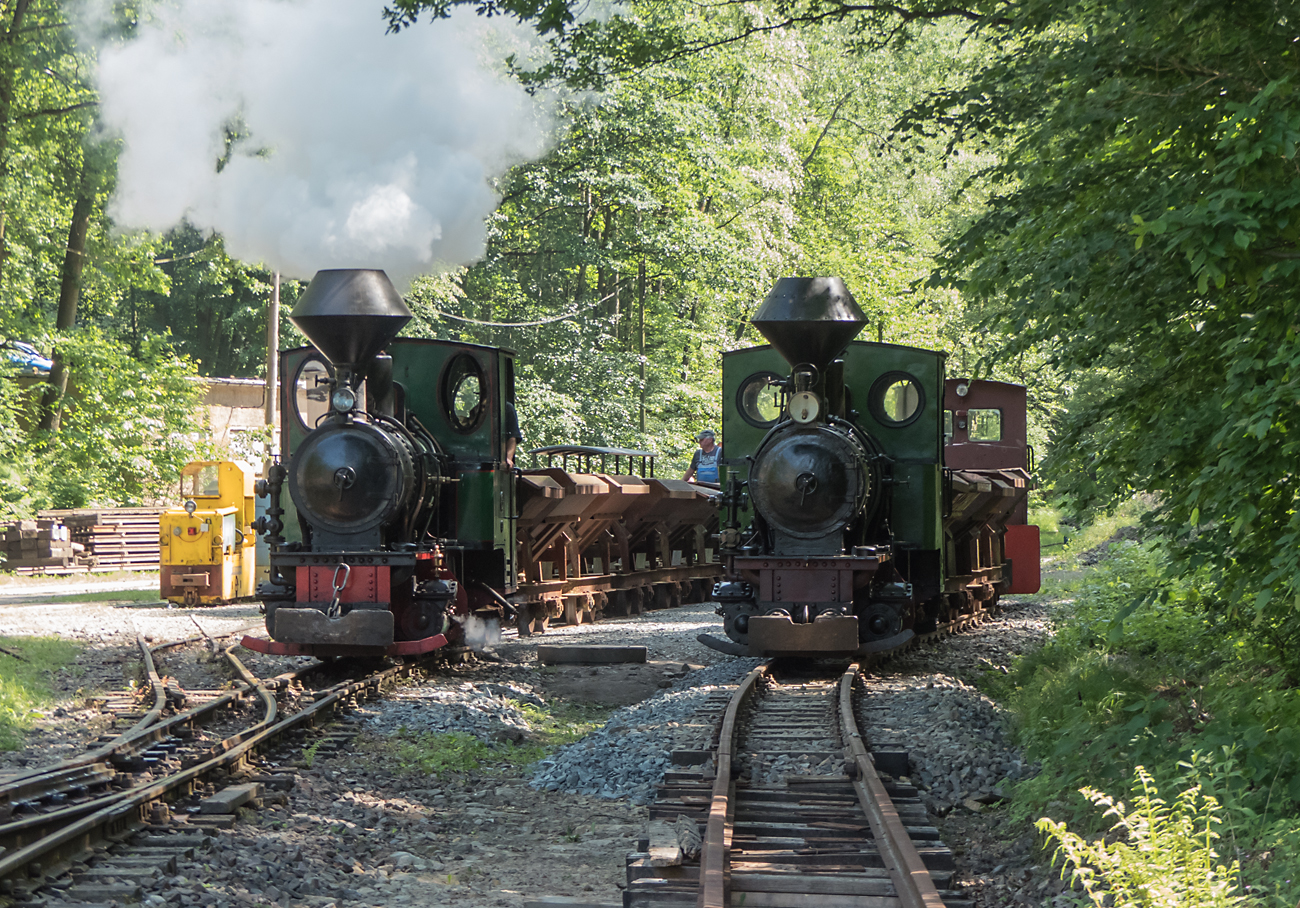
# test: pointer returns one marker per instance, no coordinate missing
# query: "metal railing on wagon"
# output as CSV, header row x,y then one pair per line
x,y
584,458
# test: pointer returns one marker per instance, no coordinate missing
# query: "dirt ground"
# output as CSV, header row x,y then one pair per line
x,y
611,685
360,830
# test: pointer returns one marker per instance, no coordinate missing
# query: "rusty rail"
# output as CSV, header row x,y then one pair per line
x,y
911,879
149,729
121,810
717,831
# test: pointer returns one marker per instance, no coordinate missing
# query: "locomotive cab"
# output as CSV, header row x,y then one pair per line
x,y
987,440
859,536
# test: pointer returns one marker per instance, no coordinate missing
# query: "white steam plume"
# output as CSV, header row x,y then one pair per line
x,y
364,149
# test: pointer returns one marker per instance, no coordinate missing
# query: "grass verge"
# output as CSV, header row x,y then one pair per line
x,y
1139,682
559,723
105,596
27,669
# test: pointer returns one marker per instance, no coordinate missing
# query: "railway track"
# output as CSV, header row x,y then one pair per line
x,y
89,830
791,810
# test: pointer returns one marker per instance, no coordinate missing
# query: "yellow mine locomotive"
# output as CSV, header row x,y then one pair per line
x,y
207,548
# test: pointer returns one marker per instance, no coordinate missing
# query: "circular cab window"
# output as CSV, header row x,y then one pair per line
x,y
897,399
311,391
463,393
759,401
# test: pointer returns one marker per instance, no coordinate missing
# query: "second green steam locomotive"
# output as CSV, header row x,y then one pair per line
x,y
847,530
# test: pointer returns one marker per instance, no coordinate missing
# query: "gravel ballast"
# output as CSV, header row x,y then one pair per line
x,y
498,838
627,757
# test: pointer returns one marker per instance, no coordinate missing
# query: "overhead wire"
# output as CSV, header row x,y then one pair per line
x,y
544,321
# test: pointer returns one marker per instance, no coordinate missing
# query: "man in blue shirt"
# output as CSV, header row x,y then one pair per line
x,y
705,463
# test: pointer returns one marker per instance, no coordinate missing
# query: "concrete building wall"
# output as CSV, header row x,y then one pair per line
x,y
235,411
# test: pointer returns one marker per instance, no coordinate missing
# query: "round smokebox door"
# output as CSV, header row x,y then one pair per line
x,y
809,482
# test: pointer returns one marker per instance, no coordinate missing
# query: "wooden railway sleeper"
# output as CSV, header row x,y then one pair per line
x,y
802,842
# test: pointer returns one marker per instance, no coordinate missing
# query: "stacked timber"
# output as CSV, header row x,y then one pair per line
x,y
43,546
119,539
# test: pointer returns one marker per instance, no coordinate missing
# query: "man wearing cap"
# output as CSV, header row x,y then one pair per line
x,y
704,465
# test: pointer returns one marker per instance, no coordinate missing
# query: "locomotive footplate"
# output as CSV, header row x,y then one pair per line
x,y
286,559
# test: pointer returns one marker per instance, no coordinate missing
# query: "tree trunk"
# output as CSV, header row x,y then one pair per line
x,y
686,347
69,294
6,106
581,289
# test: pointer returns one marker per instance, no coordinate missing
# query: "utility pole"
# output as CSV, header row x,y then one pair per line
x,y
273,364
640,283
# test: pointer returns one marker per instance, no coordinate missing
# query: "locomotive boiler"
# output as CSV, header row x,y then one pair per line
x,y
844,532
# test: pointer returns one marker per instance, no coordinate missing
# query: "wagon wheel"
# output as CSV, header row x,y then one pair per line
x,y
666,595
524,619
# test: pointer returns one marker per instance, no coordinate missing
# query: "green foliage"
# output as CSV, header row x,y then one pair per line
x,y
552,726
105,596
46,105
437,754
309,753
1145,237
1140,673
562,722
590,45
1157,854
212,307
622,264
27,667
129,424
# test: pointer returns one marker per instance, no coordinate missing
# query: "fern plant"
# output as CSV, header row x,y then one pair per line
x,y
1158,855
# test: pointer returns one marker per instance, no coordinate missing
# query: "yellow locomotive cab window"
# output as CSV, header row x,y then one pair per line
x,y
201,483
985,425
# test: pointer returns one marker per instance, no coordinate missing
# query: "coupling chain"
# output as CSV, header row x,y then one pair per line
x,y
335,610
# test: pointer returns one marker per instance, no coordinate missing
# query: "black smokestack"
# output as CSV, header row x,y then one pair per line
x,y
809,319
350,314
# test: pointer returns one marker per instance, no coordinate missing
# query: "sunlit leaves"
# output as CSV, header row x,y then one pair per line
x,y
1148,238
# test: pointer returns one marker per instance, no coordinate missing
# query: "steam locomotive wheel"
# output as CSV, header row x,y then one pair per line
x,y
878,622
423,619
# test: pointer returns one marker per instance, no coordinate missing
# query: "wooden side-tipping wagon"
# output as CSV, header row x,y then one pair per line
x,y
982,504
596,543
